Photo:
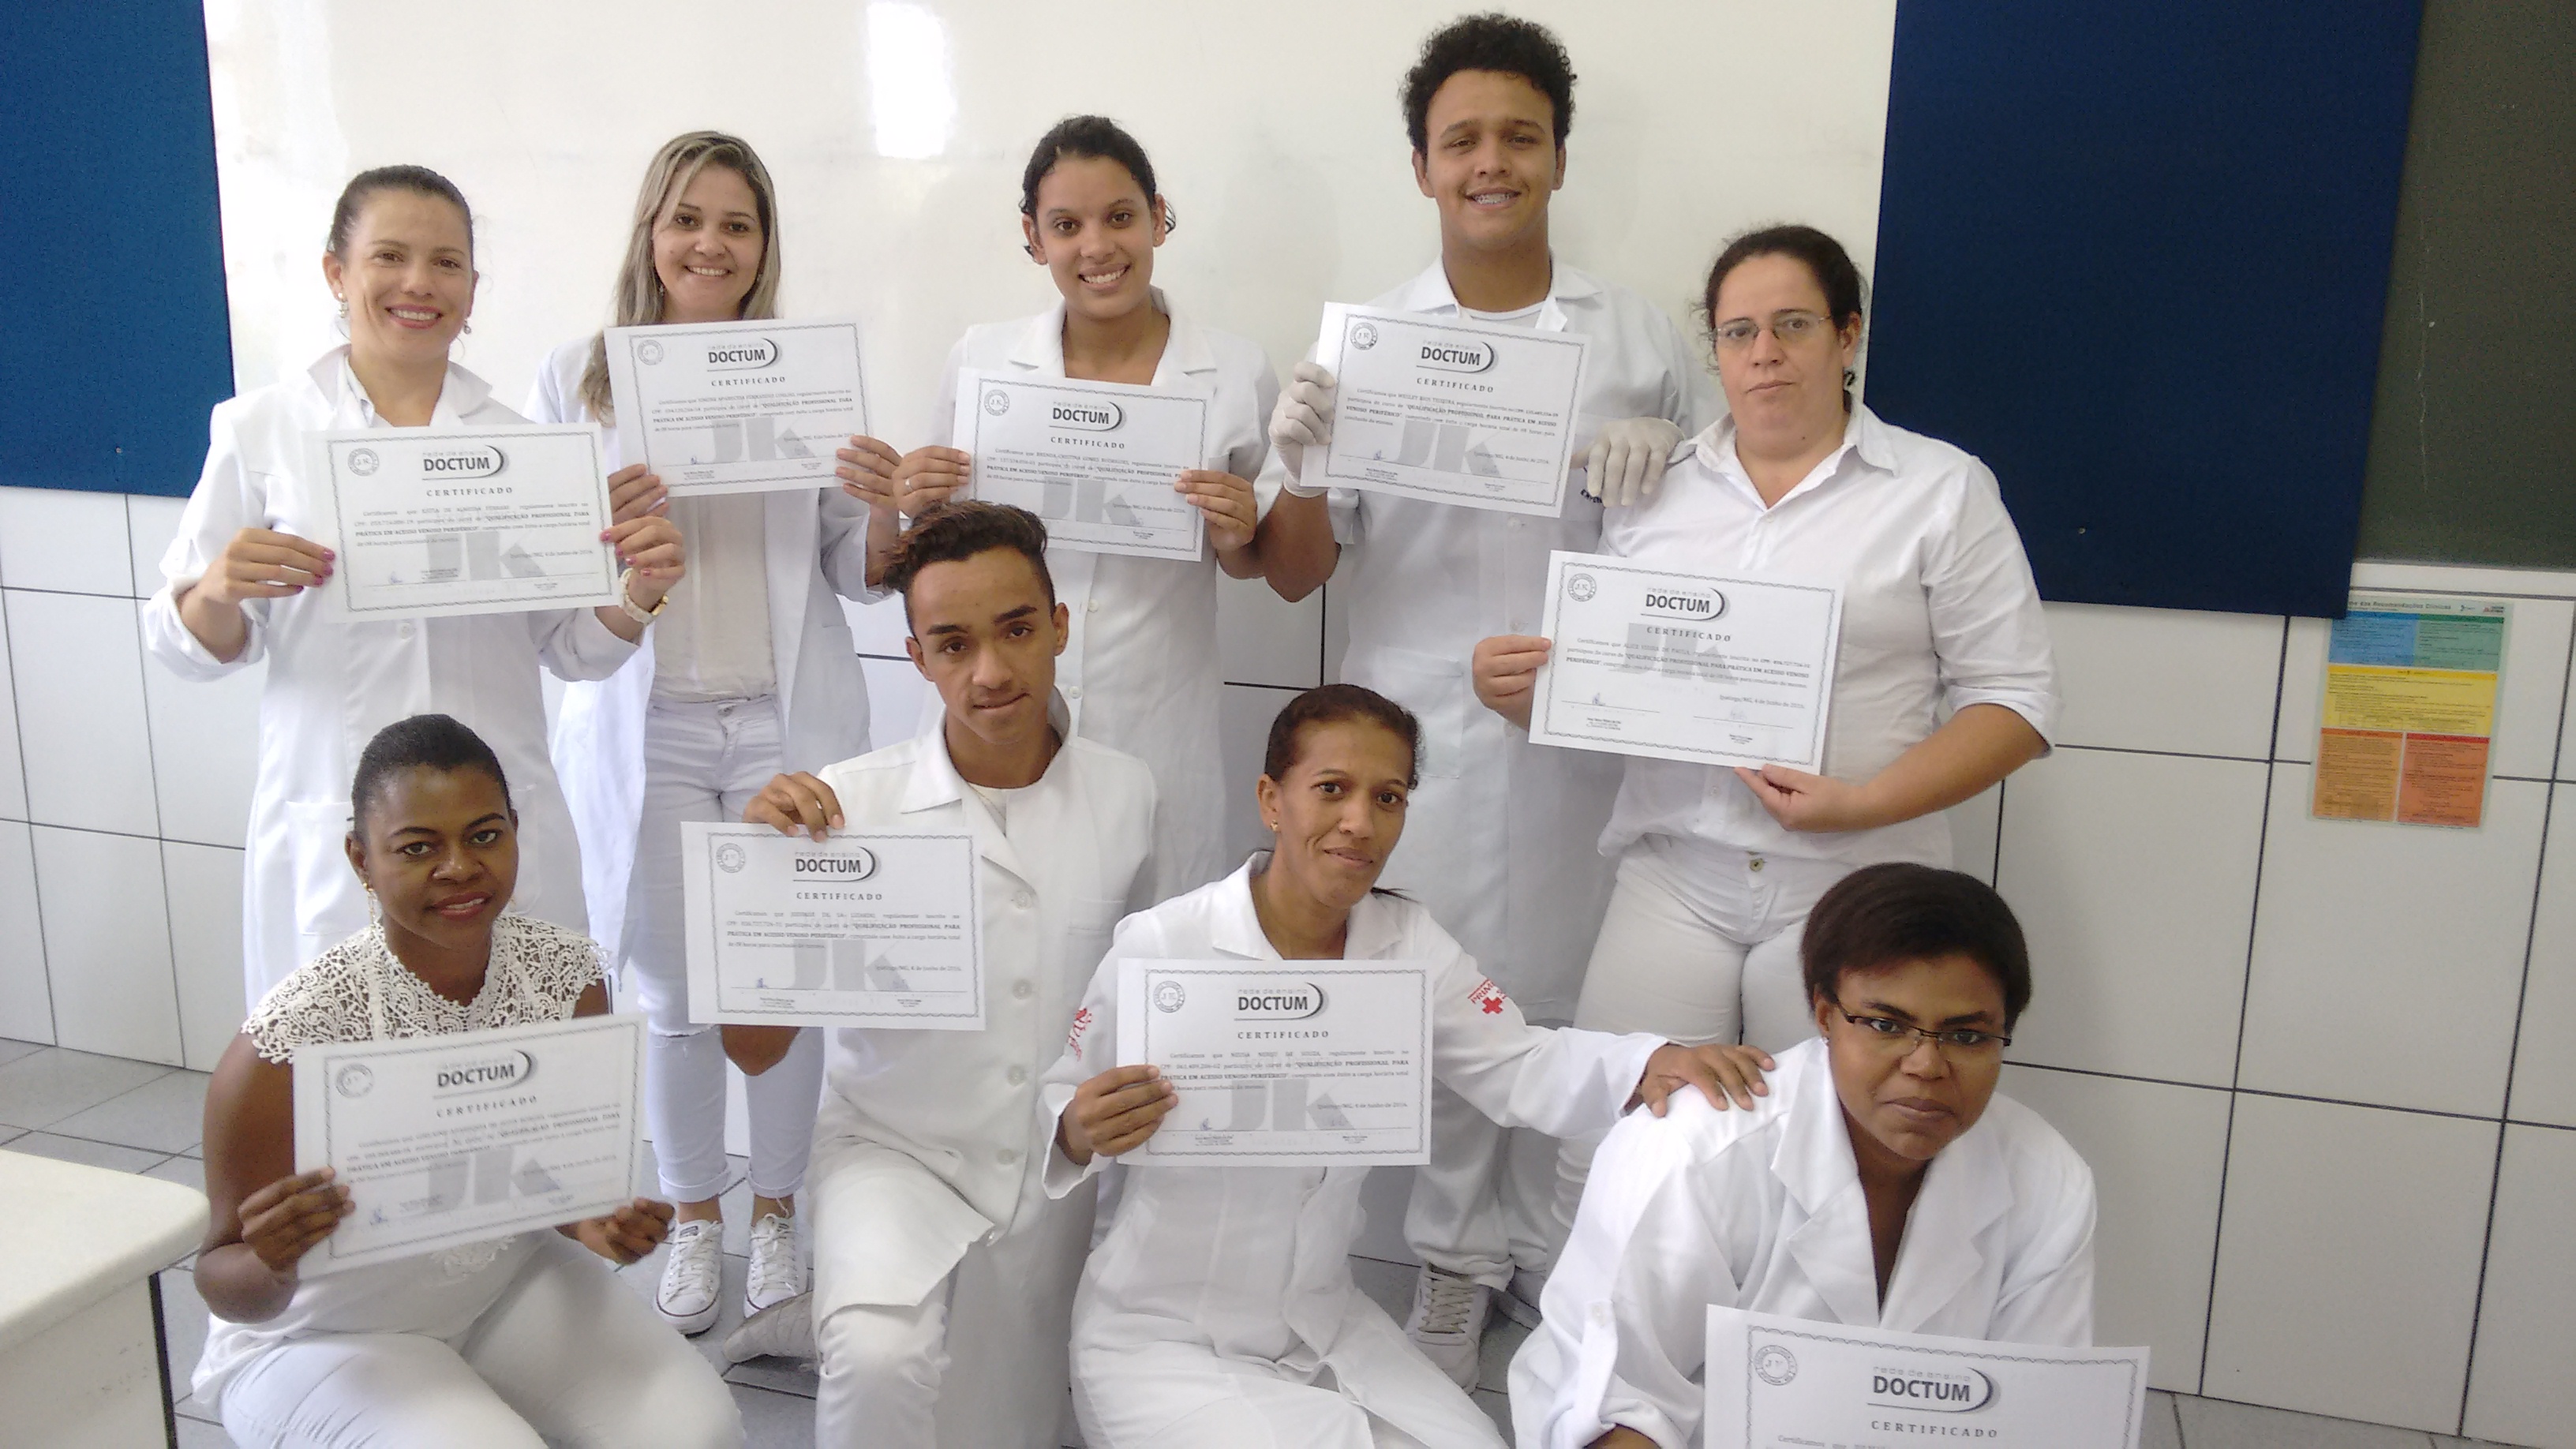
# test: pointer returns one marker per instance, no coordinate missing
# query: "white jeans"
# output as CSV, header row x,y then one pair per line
x,y
1482,1206
706,762
1700,945
567,1356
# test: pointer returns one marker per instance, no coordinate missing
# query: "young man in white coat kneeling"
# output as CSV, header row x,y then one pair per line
x,y
938,1256
1881,1184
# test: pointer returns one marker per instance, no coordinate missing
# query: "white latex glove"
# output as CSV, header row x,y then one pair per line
x,y
1627,459
1302,419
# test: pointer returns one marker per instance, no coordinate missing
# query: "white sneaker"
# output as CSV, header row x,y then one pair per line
x,y
776,1275
693,1277
784,1329
1448,1321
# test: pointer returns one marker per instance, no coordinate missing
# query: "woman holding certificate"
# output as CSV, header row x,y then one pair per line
x,y
1125,516
750,674
489,1343
1219,1308
243,584
1718,866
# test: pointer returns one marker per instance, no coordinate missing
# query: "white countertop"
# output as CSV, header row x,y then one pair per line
x,y
78,1234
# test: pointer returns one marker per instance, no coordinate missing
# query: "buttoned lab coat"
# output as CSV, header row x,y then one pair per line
x,y
1500,837
1251,1264
1763,1211
1140,671
815,545
955,1113
332,686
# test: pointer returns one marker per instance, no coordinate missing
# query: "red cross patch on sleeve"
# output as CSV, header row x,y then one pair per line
x,y
1073,1038
1488,997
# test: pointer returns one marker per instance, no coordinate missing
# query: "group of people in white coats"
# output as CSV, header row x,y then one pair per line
x,y
1609,933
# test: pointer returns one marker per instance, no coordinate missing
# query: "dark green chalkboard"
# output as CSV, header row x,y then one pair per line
x,y
2473,431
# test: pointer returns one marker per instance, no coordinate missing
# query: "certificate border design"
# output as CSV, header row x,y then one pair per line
x,y
1543,732
1415,1155
624,345
975,379
323,1055
1349,317
2135,1369
700,839
337,595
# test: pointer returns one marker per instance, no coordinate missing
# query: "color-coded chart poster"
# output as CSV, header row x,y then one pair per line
x,y
2410,706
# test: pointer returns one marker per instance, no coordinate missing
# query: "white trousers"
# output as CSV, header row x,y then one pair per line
x,y
567,1356
706,762
1483,1205
1700,945
979,1363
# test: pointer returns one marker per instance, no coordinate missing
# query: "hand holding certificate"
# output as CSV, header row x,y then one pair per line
x,y
1682,666
459,521
1313,1064
737,407
869,928
1096,460
447,1140
1452,412
1775,1382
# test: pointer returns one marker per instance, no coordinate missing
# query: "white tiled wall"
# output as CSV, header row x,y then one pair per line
x,y
2285,1045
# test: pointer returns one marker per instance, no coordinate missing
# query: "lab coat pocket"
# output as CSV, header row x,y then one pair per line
x,y
1434,687
330,903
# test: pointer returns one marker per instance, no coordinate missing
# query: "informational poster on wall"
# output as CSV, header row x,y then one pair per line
x,y
2410,709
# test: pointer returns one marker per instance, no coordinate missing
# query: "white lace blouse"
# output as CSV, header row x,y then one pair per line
x,y
358,991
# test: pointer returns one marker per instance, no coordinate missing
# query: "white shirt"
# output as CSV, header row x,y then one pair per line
x,y
331,686
1763,1211
1140,671
1496,837
1054,880
1254,1262
711,641
1939,613
813,546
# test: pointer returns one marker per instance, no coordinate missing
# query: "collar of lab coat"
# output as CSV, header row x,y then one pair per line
x,y
350,406
1430,292
1963,1190
1376,930
935,782
1864,437
1185,352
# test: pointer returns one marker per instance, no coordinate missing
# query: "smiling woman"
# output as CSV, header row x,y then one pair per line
x,y
375,1351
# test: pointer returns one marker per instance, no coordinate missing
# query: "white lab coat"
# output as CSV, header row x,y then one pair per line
x,y
1221,1285
815,545
1499,839
332,686
1140,671
1763,1211
938,1130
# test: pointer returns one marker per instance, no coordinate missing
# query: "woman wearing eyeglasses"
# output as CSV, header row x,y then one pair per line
x,y
1942,684
1886,1133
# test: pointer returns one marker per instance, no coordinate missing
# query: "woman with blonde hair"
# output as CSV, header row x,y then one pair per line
x,y
751,674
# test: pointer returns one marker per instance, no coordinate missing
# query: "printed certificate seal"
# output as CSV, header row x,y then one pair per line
x,y
1774,1365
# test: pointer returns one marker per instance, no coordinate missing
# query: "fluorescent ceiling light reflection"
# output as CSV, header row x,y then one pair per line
x,y
910,100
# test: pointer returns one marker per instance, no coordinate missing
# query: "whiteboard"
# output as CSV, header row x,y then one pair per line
x,y
896,131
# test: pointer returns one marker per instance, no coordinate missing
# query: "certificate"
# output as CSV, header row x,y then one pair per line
x,y
471,1136
1309,1064
1683,666
1775,1382
1096,460
481,521
1452,412
737,407
878,928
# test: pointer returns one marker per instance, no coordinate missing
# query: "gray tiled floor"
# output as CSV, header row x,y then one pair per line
x,y
139,1117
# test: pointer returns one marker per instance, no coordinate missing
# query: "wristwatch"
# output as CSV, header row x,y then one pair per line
x,y
635,611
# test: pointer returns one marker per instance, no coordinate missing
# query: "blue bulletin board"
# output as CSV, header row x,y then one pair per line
x,y
2135,257
118,338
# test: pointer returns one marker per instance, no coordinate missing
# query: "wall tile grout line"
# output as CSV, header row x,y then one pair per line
x,y
160,828
2483,1118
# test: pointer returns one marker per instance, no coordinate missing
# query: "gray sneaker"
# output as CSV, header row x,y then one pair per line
x,y
1448,1321
784,1329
